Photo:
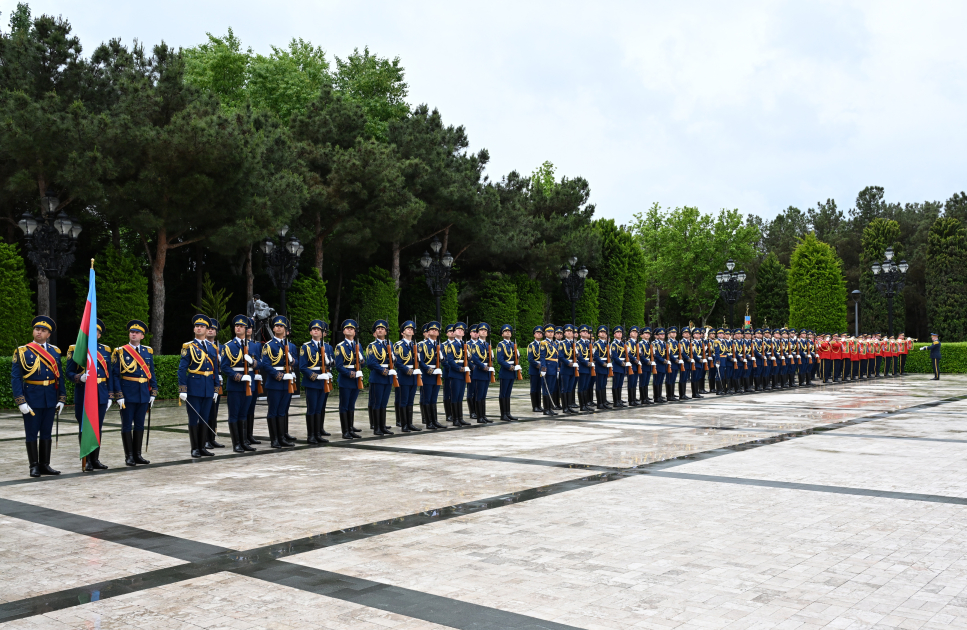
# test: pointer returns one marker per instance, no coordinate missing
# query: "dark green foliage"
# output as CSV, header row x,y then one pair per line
x,y
817,289
418,304
496,302
588,306
305,302
215,305
531,301
877,237
771,293
375,297
953,358
122,294
636,287
612,273
18,304
947,280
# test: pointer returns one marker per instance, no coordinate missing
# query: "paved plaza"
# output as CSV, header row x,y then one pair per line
x,y
842,506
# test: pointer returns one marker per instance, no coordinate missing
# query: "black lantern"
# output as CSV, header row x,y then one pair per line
x,y
51,240
572,279
437,269
730,287
890,278
282,263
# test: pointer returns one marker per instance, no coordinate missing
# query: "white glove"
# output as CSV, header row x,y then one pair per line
x,y
109,403
121,403
215,397
518,368
466,369
25,409
258,377
490,369
924,348
60,407
325,376
437,372
249,359
359,374
609,365
417,372
245,379
151,401
392,372
627,364
288,376
84,377
543,374
291,359
183,396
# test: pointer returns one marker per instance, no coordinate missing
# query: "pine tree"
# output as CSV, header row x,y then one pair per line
x,y
497,302
215,305
878,235
772,292
530,308
947,280
122,294
588,306
375,298
636,288
817,288
613,271
305,302
18,302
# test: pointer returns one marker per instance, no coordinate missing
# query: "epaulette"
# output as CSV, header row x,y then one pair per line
x,y
149,349
71,347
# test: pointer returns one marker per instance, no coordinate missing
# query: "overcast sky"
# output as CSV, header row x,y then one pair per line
x,y
752,105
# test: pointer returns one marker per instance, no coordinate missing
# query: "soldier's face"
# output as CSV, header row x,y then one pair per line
x,y
458,333
569,334
618,335
349,333
201,331
585,335
316,334
240,331
602,335
135,336
380,332
279,331
672,335
433,334
211,333
538,336
41,334
506,335
646,336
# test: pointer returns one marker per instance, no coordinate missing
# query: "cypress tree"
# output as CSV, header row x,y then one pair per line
x,y
497,302
947,280
817,288
588,306
530,308
17,300
636,287
877,236
772,292
375,298
613,271
306,301
122,294
417,302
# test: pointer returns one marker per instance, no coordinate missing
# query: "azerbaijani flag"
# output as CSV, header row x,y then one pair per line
x,y
85,355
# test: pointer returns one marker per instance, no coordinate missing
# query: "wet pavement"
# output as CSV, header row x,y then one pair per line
x,y
842,506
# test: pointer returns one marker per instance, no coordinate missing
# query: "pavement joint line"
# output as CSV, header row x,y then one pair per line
x,y
229,560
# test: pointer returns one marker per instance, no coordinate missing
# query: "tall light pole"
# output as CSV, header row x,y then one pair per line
x,y
890,278
856,295
282,262
730,287
572,279
437,272
51,241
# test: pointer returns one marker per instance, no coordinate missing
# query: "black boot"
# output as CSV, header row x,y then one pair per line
x,y
408,414
572,402
549,406
351,419
426,415
632,397
501,402
643,392
94,460
460,420
282,429
127,439
478,409
695,392
556,399
250,429
233,433
670,392
616,401
211,438
399,419
374,421
471,410
33,459
240,427
447,412
483,410
200,430
536,402
681,390
718,388
656,393
597,398
273,434
136,446
192,437
436,418
381,419
321,426
343,426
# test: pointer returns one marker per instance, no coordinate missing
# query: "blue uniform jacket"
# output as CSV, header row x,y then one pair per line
x,y
272,363
619,355
405,362
377,362
582,350
133,385
935,349
535,362
198,369
232,364
550,357
599,351
105,387
661,355
454,357
311,359
28,366
505,356
345,355
426,351
478,360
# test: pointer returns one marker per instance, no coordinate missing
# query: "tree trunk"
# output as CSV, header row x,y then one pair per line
x,y
116,235
658,304
199,273
446,239
335,312
158,291
43,294
395,266
249,276
320,237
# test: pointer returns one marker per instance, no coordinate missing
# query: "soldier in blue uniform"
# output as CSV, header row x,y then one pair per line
x,y
315,361
106,388
934,355
558,345
136,386
377,357
758,353
428,353
618,354
720,361
456,356
197,380
409,372
602,362
278,366
660,354
480,355
644,356
550,362
506,357
444,345
699,360
534,368
674,363
236,364
211,436
635,360
582,352
255,350
568,363
349,369
685,354
38,390
471,391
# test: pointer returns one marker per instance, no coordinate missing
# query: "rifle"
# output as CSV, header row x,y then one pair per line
x,y
389,353
638,356
490,362
607,346
594,374
754,364
248,384
694,360
630,369
466,362
359,361
654,367
416,366
520,373
574,353
328,385
286,350
439,377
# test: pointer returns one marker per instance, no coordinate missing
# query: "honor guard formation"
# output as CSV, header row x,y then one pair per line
x,y
569,371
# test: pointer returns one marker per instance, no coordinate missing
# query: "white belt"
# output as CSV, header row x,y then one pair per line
x,y
384,365
315,368
241,369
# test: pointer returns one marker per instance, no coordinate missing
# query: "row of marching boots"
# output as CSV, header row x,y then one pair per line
x,y
752,384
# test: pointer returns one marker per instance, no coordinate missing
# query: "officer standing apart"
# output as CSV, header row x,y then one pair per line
x,y
507,360
132,367
934,354
105,392
38,389
348,367
197,380
278,366
315,357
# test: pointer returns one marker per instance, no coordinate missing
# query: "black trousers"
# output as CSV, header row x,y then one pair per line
x,y
936,367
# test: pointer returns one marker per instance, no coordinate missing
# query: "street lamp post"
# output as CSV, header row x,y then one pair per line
x,y
51,241
282,262
573,280
437,268
890,278
856,295
730,287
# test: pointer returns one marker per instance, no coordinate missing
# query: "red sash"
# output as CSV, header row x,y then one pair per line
x,y
103,363
46,357
138,359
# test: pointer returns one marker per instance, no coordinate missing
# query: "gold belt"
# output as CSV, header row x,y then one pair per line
x,y
43,383
101,380
200,372
134,379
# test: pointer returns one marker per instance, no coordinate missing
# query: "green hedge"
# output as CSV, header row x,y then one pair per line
x,y
953,359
